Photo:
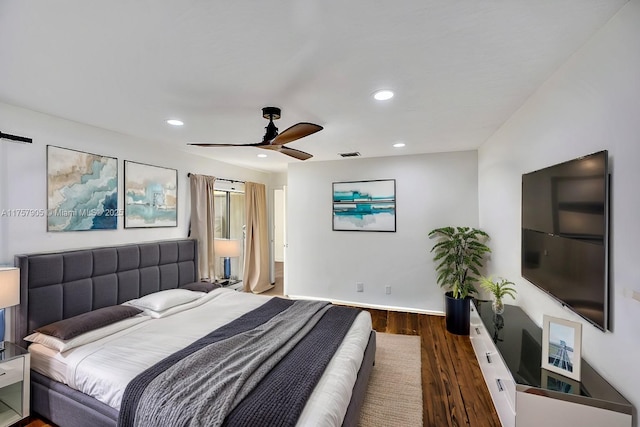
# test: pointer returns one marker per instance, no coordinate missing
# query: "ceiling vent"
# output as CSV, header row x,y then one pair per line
x,y
352,154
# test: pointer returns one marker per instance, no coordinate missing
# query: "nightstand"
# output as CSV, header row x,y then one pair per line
x,y
234,284
14,384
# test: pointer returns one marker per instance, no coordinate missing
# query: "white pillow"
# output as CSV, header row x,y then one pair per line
x,y
91,336
175,309
164,300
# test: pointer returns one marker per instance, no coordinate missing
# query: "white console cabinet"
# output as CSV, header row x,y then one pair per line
x,y
496,374
508,348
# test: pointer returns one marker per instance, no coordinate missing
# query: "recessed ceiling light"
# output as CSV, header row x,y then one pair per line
x,y
262,156
399,144
175,122
383,95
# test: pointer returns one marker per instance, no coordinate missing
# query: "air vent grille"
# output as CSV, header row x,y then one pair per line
x,y
352,154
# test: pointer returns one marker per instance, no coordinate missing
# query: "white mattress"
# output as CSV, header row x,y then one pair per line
x,y
103,368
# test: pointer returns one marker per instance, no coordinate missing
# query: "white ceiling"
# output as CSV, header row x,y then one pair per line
x,y
459,68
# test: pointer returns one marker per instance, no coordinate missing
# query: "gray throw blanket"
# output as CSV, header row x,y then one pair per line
x,y
282,395
203,383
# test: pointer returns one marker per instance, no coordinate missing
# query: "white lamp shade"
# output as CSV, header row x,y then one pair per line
x,y
226,248
9,287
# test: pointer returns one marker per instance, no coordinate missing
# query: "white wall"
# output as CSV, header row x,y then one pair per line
x,y
278,224
277,180
591,103
23,181
432,190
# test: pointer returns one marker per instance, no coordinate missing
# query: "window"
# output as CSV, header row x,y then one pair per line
x,y
229,222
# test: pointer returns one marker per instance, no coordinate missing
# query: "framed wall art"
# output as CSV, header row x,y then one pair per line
x,y
82,190
562,346
151,196
364,205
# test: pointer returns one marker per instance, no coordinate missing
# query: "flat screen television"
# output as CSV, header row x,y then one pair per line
x,y
565,234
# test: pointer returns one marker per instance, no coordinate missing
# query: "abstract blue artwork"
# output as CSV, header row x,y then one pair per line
x,y
364,205
151,196
82,191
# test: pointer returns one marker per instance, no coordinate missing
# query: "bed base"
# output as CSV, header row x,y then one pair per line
x,y
352,416
67,407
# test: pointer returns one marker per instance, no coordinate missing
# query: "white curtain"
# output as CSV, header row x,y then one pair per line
x,y
256,258
203,223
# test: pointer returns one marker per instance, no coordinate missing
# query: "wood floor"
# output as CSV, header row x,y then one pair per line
x,y
453,389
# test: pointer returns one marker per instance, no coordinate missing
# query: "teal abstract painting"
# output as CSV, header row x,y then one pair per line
x,y
82,191
364,205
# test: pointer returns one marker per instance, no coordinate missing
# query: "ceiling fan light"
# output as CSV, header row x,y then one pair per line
x,y
383,95
175,122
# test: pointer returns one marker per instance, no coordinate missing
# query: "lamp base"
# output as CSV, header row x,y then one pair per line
x,y
227,268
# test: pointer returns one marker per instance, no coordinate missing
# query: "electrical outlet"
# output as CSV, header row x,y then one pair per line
x,y
359,287
387,289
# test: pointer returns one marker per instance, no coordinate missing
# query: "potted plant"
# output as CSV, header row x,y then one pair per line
x,y
459,252
498,289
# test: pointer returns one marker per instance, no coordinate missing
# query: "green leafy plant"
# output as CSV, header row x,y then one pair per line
x,y
460,253
499,288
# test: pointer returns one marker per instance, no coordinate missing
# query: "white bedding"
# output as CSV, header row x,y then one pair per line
x,y
103,371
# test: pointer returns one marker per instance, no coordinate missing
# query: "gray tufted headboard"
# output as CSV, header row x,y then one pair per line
x,y
56,286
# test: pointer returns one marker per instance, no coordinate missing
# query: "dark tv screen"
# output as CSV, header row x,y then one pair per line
x,y
565,234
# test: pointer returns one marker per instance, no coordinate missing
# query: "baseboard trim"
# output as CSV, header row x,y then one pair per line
x,y
372,306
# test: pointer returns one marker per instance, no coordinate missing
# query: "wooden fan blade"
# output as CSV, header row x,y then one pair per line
x,y
300,155
203,144
297,154
296,131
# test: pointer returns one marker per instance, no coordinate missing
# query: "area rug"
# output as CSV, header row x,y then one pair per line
x,y
394,393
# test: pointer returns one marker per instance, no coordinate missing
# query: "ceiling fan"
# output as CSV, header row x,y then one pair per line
x,y
275,141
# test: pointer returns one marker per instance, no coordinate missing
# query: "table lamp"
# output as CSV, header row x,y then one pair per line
x,y
227,249
9,291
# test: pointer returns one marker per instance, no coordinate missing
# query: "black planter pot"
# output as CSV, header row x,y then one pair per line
x,y
457,314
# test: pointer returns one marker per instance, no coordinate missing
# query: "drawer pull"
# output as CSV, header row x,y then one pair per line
x,y
499,382
477,330
488,357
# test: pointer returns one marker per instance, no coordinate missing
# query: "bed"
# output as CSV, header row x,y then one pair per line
x,y
64,285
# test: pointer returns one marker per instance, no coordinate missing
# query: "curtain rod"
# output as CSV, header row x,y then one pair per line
x,y
16,138
222,179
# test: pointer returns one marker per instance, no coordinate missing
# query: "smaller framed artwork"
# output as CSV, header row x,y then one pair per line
x,y
364,205
562,346
151,196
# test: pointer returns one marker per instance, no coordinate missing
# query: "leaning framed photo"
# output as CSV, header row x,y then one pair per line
x,y
561,346
364,205
151,196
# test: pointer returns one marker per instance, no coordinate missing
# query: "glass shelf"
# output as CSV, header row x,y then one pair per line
x,y
519,341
